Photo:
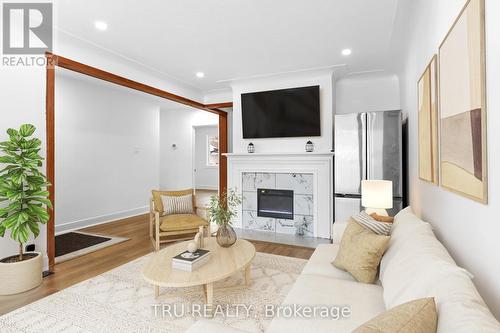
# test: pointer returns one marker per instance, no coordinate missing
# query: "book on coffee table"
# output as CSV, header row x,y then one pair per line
x,y
188,261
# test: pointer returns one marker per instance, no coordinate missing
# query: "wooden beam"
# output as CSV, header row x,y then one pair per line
x,y
222,150
220,105
50,159
122,81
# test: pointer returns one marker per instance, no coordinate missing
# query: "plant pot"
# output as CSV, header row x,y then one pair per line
x,y
226,236
21,276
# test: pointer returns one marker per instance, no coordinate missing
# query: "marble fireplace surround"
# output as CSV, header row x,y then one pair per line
x,y
317,165
303,202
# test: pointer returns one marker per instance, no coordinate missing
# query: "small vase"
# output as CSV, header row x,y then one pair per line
x,y
226,236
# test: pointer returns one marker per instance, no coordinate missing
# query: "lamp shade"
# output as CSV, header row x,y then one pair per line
x,y
376,194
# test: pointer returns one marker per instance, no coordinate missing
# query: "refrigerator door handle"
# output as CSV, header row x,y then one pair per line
x,y
369,144
364,161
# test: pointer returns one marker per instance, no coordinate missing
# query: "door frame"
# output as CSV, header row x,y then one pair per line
x,y
193,143
53,61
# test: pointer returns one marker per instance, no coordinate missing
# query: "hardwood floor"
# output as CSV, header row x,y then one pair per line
x,y
85,267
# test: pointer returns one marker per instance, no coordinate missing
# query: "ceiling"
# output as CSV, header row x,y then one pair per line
x,y
231,39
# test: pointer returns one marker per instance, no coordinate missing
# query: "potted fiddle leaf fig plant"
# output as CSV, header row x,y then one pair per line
x,y
222,209
23,207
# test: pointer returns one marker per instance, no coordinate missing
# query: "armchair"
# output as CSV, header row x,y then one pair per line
x,y
161,225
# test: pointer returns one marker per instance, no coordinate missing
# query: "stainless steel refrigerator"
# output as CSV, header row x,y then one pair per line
x,y
367,146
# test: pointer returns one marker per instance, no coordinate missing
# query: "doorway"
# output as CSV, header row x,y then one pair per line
x,y
54,62
205,163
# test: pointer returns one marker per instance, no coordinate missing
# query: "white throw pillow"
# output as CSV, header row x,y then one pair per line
x,y
416,265
177,204
368,222
413,250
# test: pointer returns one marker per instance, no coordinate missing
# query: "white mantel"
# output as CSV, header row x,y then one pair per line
x,y
251,155
319,164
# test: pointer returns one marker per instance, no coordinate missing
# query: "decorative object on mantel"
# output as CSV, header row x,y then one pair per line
x,y
309,146
376,196
251,148
428,124
23,189
462,105
222,211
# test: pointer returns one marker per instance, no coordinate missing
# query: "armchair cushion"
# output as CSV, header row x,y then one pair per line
x,y
158,204
180,222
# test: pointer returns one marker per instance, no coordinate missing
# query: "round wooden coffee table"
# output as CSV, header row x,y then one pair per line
x,y
223,262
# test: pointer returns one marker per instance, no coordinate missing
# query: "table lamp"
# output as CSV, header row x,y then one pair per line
x,y
376,196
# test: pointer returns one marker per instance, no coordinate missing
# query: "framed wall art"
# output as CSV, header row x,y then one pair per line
x,y
462,105
428,158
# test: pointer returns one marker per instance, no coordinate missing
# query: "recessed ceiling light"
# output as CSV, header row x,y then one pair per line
x,y
200,75
346,52
101,25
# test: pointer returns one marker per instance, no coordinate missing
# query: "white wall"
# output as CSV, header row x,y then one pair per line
x,y
367,92
469,230
21,91
22,97
322,144
107,151
176,127
206,177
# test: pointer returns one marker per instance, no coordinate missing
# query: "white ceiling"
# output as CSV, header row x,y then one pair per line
x,y
228,39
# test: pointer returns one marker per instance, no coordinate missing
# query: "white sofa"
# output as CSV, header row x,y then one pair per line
x,y
416,265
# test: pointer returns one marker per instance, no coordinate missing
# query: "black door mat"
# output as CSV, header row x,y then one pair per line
x,y
75,241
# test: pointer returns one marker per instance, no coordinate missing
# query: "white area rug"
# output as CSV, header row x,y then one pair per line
x,y
121,301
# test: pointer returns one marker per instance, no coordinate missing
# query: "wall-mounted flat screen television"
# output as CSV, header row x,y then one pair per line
x,y
281,113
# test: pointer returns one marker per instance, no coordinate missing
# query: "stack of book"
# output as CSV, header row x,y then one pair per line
x,y
187,261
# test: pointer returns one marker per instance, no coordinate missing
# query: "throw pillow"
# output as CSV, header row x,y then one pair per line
x,y
360,252
382,218
418,316
380,228
182,204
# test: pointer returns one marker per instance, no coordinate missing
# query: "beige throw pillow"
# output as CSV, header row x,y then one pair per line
x,y
360,252
418,316
182,204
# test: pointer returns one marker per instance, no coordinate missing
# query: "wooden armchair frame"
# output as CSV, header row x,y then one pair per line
x,y
156,234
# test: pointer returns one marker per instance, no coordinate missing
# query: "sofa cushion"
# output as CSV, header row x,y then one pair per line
x,y
417,265
413,250
320,263
360,252
180,222
365,302
418,316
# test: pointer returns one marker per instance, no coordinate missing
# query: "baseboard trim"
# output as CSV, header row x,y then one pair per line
x,y
75,225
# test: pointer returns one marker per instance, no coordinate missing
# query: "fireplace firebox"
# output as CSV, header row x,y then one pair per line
x,y
275,203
